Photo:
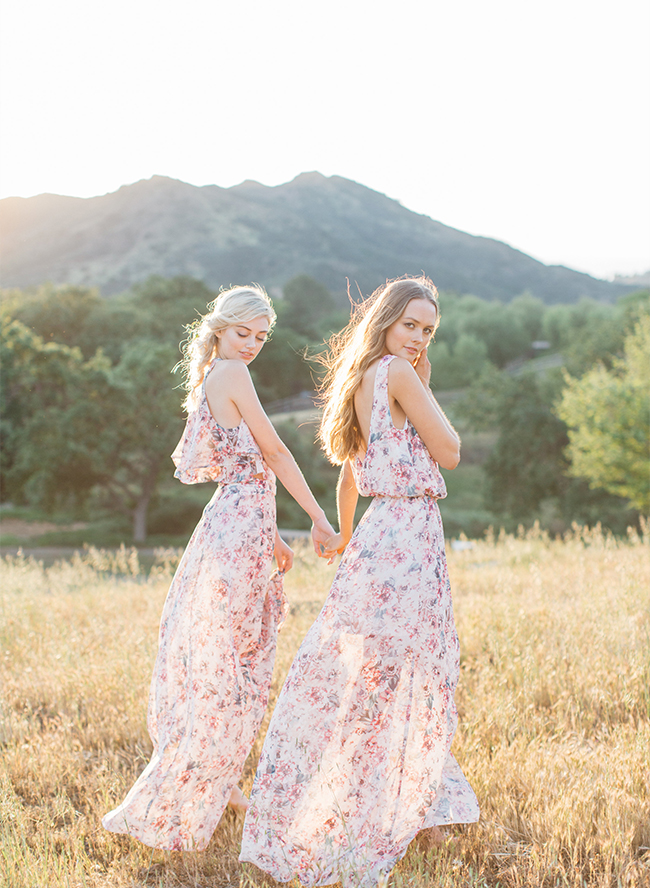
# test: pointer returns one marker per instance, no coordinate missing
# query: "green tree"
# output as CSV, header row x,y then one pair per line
x,y
526,473
588,332
502,331
307,315
526,464
51,411
455,311
529,311
308,304
74,429
166,306
457,367
607,412
55,313
142,424
280,370
157,309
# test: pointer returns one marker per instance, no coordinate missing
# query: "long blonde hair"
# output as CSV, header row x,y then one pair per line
x,y
350,354
234,306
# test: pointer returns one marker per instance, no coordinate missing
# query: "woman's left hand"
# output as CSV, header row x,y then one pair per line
x,y
335,544
321,531
422,366
283,554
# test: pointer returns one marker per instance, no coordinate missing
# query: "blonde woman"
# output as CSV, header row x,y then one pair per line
x,y
357,758
219,623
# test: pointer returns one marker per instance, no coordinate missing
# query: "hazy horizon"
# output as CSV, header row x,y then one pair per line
x,y
506,121
636,273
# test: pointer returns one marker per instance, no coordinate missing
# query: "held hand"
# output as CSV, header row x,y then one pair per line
x,y
336,543
321,532
422,366
283,555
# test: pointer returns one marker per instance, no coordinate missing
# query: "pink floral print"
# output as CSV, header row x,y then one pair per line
x,y
217,644
357,757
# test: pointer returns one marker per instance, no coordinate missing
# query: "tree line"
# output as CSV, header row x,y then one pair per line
x,y
90,408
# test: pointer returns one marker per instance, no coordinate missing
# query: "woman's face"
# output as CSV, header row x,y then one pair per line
x,y
243,342
411,333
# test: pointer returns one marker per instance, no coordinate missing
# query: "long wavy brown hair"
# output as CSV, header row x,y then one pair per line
x,y
351,352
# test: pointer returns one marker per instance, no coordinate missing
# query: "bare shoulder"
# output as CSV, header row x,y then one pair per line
x,y
401,372
365,392
400,366
229,373
368,379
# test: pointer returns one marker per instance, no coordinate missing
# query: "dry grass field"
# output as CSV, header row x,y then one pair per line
x,y
554,701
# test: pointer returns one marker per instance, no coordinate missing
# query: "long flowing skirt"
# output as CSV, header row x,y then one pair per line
x,y
357,757
212,674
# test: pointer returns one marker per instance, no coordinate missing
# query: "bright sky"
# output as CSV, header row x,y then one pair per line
x,y
522,121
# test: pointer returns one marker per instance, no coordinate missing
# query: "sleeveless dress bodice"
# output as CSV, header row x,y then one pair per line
x,y
396,463
210,452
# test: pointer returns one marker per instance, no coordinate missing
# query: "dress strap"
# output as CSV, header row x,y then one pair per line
x,y
380,419
208,371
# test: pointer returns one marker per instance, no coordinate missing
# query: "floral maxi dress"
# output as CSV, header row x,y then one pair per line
x,y
357,757
217,643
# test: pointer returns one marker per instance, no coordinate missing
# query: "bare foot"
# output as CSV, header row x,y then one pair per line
x,y
238,801
431,838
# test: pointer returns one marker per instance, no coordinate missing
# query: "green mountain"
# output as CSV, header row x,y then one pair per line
x,y
327,227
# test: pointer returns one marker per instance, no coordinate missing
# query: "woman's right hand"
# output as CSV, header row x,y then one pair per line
x,y
321,532
422,366
337,543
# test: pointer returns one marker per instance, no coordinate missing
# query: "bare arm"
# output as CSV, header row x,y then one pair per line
x,y
414,396
235,377
347,497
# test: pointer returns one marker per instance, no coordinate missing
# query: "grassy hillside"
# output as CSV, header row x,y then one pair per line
x,y
554,708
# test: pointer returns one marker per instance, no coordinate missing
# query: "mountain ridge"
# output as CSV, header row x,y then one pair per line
x,y
331,228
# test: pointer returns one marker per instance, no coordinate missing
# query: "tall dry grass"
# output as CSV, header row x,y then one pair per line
x,y
554,734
